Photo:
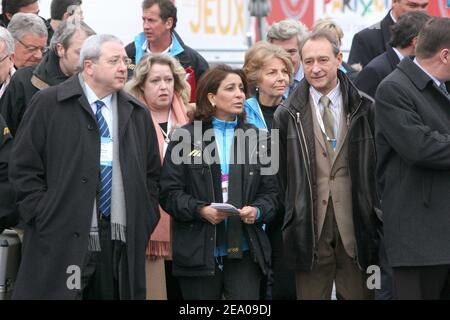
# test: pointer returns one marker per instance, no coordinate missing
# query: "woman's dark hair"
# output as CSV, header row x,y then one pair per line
x,y
210,83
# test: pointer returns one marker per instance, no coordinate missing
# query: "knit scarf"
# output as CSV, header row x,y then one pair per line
x,y
159,244
118,209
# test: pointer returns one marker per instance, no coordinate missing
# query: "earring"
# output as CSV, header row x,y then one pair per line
x,y
257,89
213,105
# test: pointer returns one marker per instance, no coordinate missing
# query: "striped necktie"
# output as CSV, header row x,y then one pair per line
x,y
106,171
328,124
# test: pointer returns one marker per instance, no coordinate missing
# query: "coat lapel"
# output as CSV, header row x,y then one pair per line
x,y
71,88
386,24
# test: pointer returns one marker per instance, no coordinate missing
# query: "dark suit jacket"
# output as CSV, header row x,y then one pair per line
x,y
413,169
370,77
371,42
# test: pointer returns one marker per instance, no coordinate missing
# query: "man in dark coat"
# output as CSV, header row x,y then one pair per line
x,y
402,44
373,41
8,212
159,36
327,175
413,171
61,62
86,169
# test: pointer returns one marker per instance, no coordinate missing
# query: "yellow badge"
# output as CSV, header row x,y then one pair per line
x,y
6,131
196,153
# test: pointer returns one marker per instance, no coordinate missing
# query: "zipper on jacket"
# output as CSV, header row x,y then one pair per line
x,y
349,119
310,187
214,200
299,124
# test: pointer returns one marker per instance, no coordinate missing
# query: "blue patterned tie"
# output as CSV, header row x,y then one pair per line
x,y
106,171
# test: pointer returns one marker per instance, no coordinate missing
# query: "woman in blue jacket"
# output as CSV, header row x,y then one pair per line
x,y
217,159
269,71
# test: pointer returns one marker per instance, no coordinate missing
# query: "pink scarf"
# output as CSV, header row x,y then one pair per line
x,y
159,244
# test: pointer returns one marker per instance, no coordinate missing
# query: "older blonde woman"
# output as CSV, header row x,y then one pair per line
x,y
159,82
269,71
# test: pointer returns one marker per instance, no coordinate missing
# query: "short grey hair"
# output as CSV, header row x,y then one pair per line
x,y
287,29
92,47
66,30
23,23
8,40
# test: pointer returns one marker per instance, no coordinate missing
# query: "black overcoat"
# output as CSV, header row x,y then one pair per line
x,y
371,42
413,170
54,169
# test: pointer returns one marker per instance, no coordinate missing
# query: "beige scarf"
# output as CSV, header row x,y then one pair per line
x,y
159,244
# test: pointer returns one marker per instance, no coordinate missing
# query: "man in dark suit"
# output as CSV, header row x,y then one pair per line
x,y
402,44
86,171
413,170
373,41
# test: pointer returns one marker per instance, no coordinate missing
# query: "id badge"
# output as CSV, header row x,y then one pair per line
x,y
225,188
333,144
106,151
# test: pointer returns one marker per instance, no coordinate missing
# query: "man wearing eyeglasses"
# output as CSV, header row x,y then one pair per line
x,y
86,169
11,7
61,62
30,36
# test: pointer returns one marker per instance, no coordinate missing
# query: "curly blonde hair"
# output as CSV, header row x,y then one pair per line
x,y
136,84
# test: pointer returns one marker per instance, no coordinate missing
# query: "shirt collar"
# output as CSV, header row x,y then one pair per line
x,y
436,81
92,97
146,48
223,125
398,53
299,75
333,95
392,17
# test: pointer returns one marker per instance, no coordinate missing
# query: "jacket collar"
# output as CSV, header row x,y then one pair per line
x,y
392,57
48,70
386,24
72,89
350,94
419,78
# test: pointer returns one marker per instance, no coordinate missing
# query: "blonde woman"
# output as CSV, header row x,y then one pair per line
x,y
159,82
269,71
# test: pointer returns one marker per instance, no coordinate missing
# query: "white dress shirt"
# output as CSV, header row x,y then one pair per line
x,y
106,111
335,97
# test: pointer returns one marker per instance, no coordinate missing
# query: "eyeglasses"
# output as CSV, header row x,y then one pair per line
x,y
3,59
30,49
115,61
